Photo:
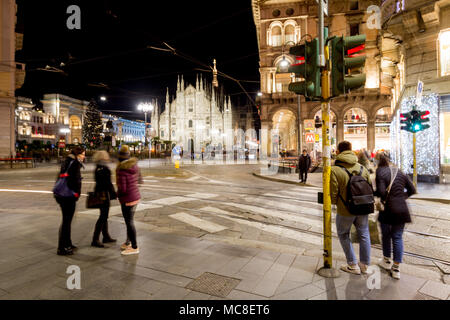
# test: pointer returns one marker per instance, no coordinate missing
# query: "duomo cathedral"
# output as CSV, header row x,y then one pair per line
x,y
196,117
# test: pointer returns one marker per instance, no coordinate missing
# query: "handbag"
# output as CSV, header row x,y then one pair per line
x,y
379,203
61,188
94,200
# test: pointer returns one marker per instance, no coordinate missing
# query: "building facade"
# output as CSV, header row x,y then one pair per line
x,y
362,117
415,46
124,130
195,118
11,75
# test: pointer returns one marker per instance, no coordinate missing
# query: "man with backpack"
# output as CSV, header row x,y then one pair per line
x,y
351,190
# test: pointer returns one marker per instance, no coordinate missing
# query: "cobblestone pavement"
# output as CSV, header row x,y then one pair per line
x,y
198,219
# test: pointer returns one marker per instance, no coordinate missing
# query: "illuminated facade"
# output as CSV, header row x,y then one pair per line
x,y
363,117
416,46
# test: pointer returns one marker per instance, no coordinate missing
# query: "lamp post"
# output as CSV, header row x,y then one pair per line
x,y
146,108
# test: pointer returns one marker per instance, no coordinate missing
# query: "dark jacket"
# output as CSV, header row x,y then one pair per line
x,y
128,177
103,185
339,179
396,210
304,162
74,178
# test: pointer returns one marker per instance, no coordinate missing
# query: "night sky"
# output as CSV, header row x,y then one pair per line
x,y
111,48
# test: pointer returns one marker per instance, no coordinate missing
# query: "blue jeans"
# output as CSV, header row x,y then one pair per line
x,y
393,234
343,226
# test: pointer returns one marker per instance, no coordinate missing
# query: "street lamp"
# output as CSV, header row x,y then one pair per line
x,y
103,98
146,107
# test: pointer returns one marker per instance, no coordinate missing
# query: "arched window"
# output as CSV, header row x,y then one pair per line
x,y
276,36
289,33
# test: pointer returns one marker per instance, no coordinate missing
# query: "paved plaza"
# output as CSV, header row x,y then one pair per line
x,y
260,237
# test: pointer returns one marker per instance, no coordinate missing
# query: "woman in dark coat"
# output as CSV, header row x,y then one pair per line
x,y
128,177
105,190
72,166
396,213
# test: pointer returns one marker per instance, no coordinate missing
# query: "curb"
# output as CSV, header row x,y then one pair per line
x,y
283,181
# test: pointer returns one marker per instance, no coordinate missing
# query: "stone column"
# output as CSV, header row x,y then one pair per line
x,y
371,135
266,138
339,129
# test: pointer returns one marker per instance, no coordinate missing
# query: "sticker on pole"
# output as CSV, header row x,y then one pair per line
x,y
419,93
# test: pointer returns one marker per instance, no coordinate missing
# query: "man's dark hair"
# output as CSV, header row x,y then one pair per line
x,y
345,146
304,150
77,150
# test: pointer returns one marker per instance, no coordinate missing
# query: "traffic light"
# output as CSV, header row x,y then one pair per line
x,y
308,68
414,121
344,55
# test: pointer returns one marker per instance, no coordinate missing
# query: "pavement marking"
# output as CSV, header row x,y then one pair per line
x,y
281,215
32,191
151,181
197,222
280,231
178,199
193,178
114,210
219,211
290,207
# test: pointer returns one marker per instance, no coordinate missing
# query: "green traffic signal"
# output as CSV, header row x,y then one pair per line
x,y
414,120
309,70
343,56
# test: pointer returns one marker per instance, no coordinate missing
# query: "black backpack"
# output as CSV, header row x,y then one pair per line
x,y
360,199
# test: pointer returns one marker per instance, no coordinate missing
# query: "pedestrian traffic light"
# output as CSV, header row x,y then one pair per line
x,y
414,121
307,67
345,56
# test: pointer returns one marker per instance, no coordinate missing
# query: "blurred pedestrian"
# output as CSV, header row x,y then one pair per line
x,y
128,176
346,164
304,163
105,191
394,213
71,170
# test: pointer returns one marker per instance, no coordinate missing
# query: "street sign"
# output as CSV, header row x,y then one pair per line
x,y
309,124
317,138
324,5
419,93
310,137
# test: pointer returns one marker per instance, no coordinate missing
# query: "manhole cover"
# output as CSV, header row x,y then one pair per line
x,y
213,284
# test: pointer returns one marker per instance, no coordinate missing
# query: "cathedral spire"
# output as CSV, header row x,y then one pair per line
x,y
167,96
201,82
197,85
182,83
178,83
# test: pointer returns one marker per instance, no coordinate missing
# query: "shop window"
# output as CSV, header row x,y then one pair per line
x,y
354,29
444,52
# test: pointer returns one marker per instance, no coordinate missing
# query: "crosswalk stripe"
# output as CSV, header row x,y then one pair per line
x,y
290,207
193,178
178,199
218,211
280,231
197,222
316,224
114,210
151,181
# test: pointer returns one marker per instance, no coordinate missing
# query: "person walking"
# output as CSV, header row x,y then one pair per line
x,y
128,176
71,170
391,185
105,190
347,164
304,163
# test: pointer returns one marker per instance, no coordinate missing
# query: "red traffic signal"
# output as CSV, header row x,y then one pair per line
x,y
424,115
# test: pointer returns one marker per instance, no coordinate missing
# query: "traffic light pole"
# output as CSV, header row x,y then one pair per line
x,y
327,270
414,161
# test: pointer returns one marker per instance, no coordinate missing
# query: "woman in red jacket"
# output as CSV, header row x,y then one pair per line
x,y
128,178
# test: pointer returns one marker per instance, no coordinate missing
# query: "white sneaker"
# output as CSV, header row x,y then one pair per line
x,y
395,272
351,269
363,267
130,251
386,264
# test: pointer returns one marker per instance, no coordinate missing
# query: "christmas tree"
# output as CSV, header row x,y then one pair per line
x,y
92,126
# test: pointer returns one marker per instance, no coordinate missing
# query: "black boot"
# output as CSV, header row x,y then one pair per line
x,y
97,244
65,252
106,237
